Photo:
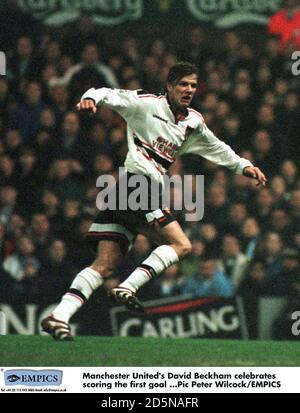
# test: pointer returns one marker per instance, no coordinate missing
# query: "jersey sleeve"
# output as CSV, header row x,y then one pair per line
x,y
203,142
125,102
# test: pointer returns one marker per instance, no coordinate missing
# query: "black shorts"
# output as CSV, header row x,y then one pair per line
x,y
123,225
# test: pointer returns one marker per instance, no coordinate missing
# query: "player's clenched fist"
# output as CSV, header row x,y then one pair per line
x,y
88,105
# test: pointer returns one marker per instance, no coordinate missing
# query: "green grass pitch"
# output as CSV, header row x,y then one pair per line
x,y
26,351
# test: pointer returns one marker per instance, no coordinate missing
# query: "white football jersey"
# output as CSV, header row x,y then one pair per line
x,y
156,139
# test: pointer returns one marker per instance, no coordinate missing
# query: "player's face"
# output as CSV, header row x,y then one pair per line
x,y
182,93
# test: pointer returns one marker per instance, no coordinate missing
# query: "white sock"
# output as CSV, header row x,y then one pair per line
x,y
87,281
160,259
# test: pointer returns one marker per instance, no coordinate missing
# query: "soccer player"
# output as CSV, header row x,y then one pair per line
x,y
155,123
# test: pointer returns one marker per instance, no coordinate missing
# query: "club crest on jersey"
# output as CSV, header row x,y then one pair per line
x,y
188,131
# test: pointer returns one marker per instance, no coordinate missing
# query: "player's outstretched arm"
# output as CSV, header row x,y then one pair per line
x,y
255,173
87,105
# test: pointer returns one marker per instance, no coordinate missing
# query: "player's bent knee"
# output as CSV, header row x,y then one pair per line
x,y
186,249
183,249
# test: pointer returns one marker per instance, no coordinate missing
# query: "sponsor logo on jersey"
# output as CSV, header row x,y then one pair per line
x,y
162,119
165,146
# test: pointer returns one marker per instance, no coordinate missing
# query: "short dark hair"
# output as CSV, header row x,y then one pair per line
x,y
181,69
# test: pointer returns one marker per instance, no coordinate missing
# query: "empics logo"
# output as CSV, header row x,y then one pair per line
x,y
2,64
33,378
13,378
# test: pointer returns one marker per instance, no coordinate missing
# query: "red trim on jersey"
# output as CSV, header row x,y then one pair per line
x,y
150,159
147,96
196,113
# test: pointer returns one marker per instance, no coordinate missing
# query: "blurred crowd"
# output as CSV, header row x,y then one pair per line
x,y
248,241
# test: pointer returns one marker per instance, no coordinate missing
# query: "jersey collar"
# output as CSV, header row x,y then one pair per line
x,y
181,115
